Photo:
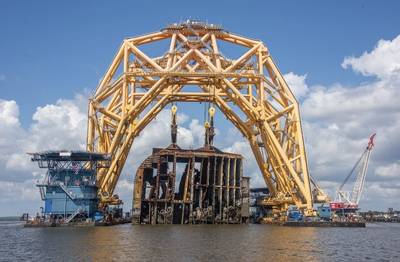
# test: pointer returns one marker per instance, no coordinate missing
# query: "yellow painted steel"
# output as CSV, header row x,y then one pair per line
x,y
250,91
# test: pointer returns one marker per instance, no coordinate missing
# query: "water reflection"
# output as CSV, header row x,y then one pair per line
x,y
203,243
200,243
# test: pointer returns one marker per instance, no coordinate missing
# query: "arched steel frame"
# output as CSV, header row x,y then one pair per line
x,y
250,91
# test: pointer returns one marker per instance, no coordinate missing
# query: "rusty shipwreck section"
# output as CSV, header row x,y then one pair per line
x,y
178,186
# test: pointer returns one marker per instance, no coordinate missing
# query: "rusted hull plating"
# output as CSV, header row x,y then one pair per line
x,y
176,186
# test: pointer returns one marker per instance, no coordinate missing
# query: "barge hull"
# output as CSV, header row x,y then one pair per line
x,y
322,224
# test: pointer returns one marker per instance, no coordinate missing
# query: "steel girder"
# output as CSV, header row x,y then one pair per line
x,y
249,90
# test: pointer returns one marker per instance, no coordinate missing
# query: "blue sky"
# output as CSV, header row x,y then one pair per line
x,y
344,57
53,49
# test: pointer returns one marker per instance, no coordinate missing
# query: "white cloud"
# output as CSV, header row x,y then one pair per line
x,y
2,77
18,161
157,134
11,135
297,83
58,126
9,113
390,170
23,191
383,61
387,193
352,103
124,190
250,168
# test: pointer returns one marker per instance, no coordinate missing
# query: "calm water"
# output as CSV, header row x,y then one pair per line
x,y
199,243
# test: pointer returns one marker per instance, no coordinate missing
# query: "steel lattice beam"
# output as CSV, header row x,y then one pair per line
x,y
123,103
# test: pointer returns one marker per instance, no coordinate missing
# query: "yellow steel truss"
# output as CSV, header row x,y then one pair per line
x,y
249,90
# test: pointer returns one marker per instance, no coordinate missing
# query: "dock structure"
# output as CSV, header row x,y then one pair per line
x,y
69,188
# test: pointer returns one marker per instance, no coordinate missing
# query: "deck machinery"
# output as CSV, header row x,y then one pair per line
x,y
195,67
181,186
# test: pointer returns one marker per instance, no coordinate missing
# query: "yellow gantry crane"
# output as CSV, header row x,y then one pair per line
x,y
250,91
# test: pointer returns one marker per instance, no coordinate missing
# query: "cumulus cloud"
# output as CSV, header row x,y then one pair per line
x,y
11,134
250,167
359,102
56,126
22,191
388,171
383,61
64,125
19,197
386,194
9,113
297,84
157,133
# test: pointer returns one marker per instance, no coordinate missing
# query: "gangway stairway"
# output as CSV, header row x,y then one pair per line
x,y
70,194
71,217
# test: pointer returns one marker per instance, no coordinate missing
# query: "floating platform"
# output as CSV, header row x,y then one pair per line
x,y
322,224
47,224
77,224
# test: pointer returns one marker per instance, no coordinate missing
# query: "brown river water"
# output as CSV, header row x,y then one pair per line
x,y
376,242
